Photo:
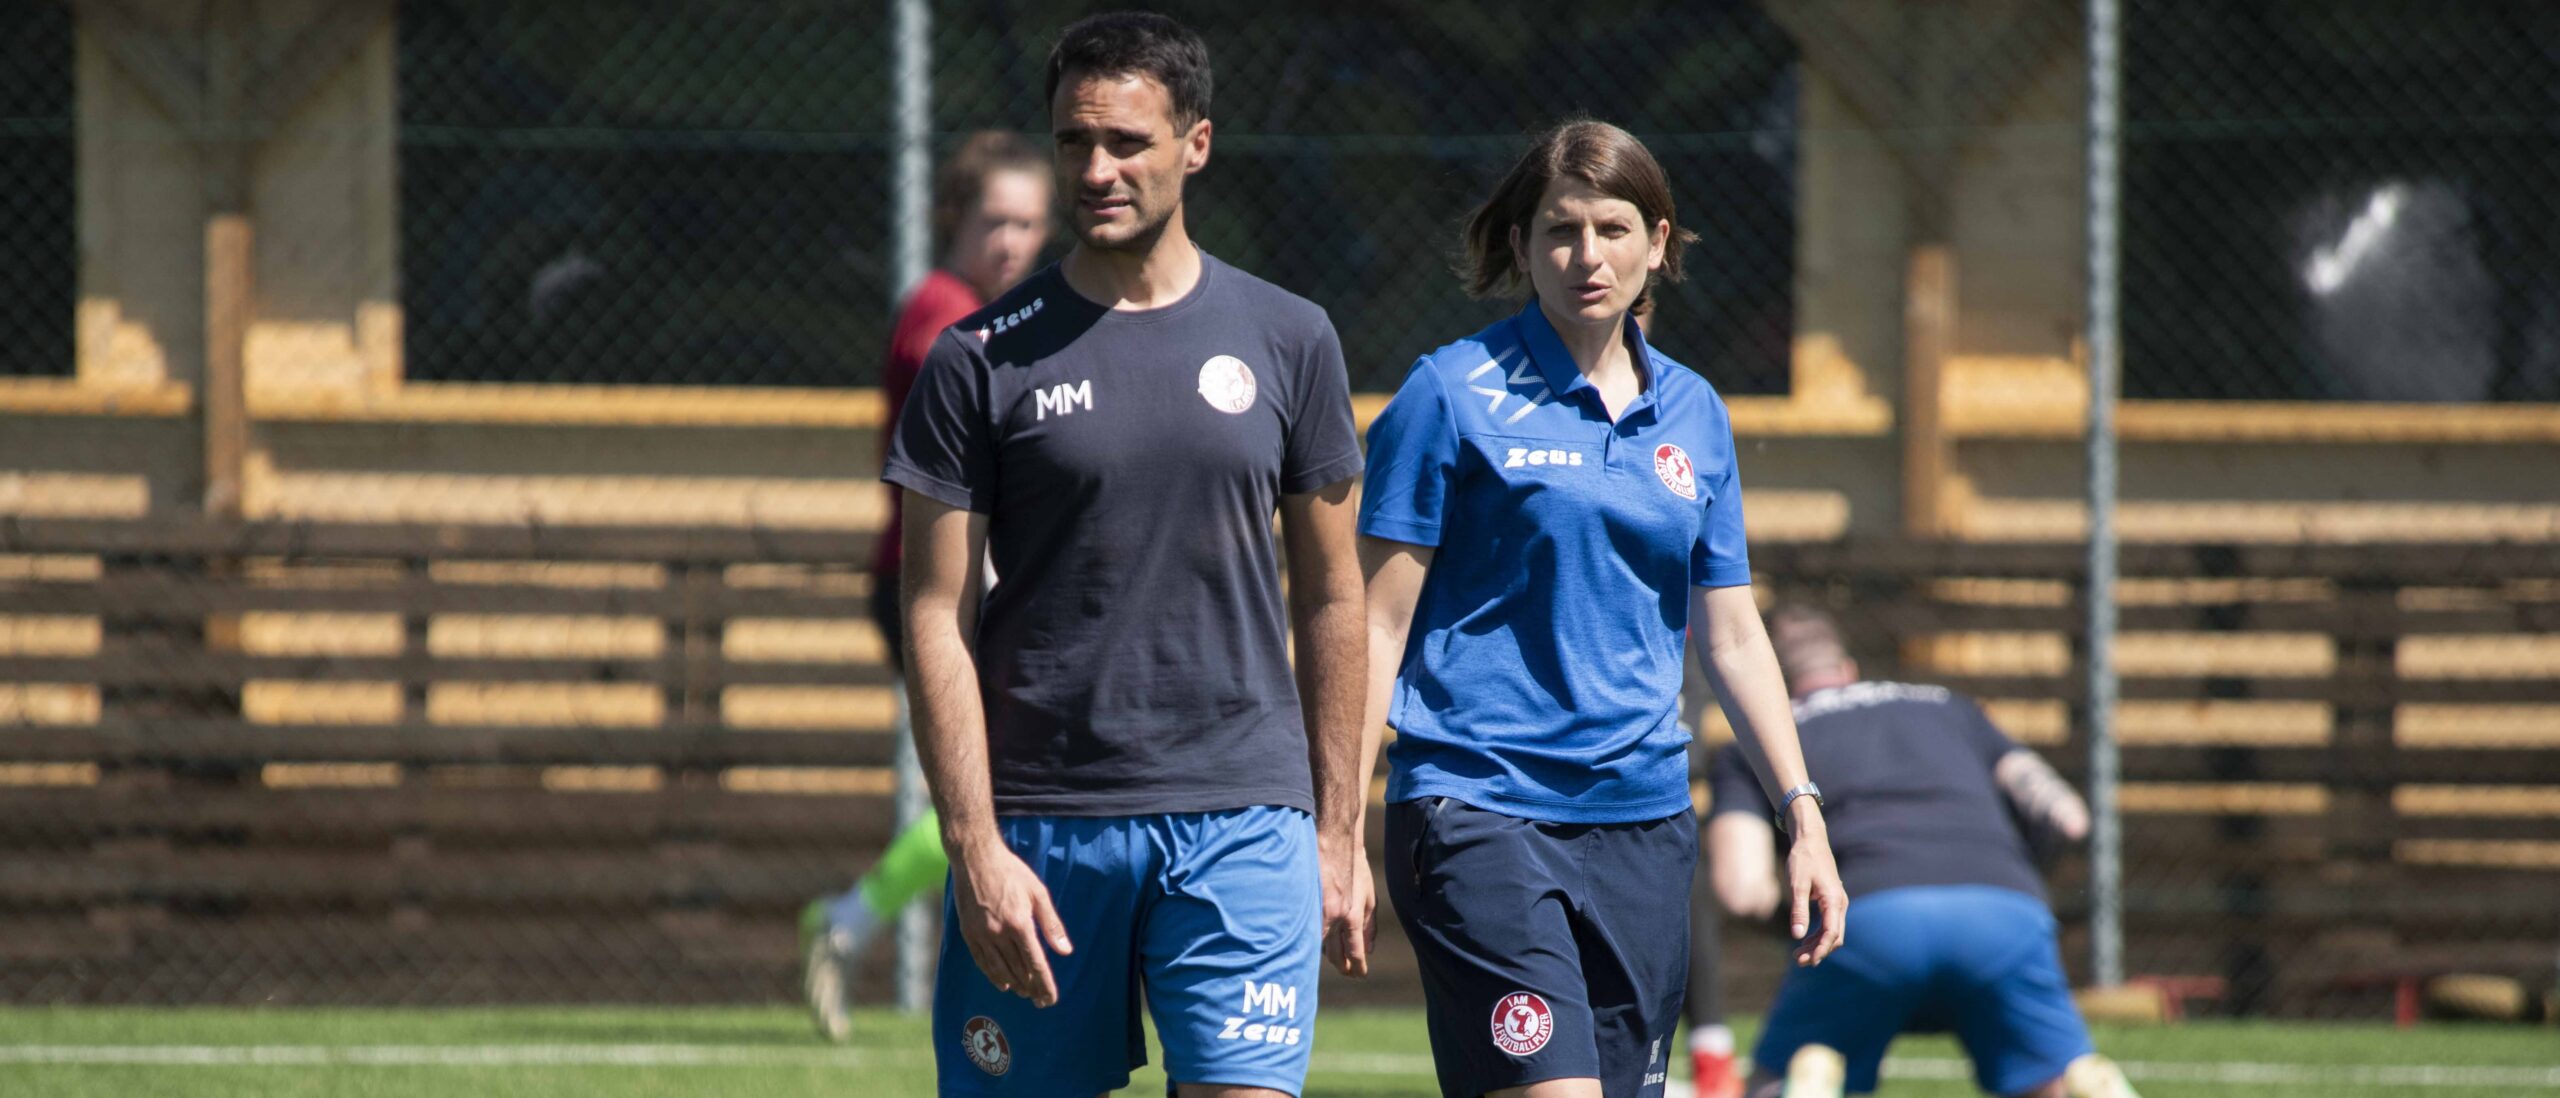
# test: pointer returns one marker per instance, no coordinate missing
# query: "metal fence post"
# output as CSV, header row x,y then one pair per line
x,y
2106,852
914,187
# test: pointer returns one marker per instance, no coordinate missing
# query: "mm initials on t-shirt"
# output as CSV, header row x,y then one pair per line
x,y
1062,399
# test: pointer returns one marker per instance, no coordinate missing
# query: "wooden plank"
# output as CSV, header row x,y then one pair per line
x,y
2043,411
516,879
151,664
171,537
635,406
1929,307
151,594
45,396
2207,688
216,741
533,817
145,593
2322,765
2406,564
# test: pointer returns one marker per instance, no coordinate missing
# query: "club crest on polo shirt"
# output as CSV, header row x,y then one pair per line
x,y
1522,1023
1672,464
1227,384
987,1046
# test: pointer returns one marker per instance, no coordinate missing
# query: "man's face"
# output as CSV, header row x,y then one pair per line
x,y
1121,162
998,239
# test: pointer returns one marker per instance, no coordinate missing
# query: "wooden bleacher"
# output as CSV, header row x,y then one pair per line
x,y
517,763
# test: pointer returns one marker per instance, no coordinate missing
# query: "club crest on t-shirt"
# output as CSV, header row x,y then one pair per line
x,y
1227,384
987,1045
1522,1023
1671,463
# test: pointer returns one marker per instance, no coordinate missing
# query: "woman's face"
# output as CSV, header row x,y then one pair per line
x,y
996,241
1588,254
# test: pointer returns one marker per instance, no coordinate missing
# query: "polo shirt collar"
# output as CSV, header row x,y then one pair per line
x,y
1555,363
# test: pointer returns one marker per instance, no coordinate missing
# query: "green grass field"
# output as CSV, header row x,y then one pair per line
x,y
625,1053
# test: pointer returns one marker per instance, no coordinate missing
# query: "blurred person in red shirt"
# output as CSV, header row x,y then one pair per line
x,y
991,212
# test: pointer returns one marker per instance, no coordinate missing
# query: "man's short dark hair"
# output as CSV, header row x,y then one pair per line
x,y
1137,43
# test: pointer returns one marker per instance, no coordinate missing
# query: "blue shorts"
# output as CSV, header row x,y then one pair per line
x,y
1974,960
1548,950
1216,916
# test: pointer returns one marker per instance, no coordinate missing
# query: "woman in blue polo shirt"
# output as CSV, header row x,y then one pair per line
x,y
1551,510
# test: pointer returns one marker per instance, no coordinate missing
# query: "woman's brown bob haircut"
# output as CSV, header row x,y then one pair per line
x,y
1610,159
962,181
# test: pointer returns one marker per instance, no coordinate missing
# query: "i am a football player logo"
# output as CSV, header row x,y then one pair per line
x,y
1522,1023
1227,384
987,1046
1671,463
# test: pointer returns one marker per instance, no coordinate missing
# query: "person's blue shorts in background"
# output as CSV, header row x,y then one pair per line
x,y
1977,961
1218,913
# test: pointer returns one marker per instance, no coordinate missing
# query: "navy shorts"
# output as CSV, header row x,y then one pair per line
x,y
1548,950
1974,960
1211,918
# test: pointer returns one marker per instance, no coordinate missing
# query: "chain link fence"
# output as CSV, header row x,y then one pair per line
x,y
345,759
679,195
2340,202
36,218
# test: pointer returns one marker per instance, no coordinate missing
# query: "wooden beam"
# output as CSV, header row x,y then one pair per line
x,y
2037,36
287,76
1840,52
46,396
1928,338
224,413
170,74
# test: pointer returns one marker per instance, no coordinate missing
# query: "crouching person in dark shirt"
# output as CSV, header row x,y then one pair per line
x,y
1936,817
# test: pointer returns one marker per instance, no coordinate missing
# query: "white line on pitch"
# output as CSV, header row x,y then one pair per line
x,y
2263,1074
1386,1063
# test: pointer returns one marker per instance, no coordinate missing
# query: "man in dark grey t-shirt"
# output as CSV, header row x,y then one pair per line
x,y
1934,815
1136,789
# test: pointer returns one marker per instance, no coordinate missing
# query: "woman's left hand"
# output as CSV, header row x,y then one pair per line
x,y
1814,881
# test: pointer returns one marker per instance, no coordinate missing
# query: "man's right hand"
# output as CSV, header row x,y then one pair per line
x,y
1005,915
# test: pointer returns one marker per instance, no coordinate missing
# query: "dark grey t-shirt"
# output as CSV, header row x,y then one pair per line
x,y
1907,788
1132,654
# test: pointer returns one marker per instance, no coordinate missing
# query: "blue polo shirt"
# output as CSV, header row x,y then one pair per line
x,y
1542,675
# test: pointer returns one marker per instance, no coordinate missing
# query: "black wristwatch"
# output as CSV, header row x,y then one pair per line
x,y
1788,800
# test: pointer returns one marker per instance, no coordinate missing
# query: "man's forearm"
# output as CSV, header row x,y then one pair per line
x,y
950,723
2052,810
1332,650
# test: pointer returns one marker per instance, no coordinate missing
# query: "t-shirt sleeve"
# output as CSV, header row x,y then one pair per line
x,y
1731,786
1719,558
942,446
1987,741
931,309
1413,463
1324,443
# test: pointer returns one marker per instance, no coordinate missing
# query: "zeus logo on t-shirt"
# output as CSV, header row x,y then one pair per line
x,y
1523,456
1062,399
1015,318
